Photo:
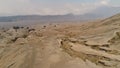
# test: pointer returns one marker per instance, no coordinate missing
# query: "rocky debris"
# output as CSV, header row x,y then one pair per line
x,y
14,33
15,52
116,38
101,55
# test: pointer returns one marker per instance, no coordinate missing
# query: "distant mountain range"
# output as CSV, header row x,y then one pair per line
x,y
99,13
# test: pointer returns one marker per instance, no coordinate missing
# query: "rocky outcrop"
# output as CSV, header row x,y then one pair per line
x,y
115,38
15,52
101,55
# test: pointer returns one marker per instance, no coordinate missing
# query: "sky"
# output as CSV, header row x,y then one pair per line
x,y
52,7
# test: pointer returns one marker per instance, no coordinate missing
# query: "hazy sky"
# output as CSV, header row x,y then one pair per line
x,y
52,7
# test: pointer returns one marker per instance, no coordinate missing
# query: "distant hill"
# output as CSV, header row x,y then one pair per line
x,y
112,20
99,13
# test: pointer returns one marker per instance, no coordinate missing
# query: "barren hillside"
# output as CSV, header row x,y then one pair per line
x,y
66,45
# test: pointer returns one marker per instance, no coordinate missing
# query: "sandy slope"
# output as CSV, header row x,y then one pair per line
x,y
66,45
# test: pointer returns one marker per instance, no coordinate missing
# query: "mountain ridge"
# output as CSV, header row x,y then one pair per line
x,y
99,13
